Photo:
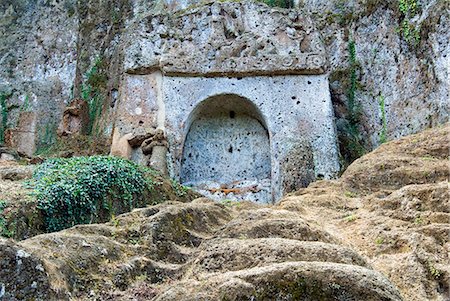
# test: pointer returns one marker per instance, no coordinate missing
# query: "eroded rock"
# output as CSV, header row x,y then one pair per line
x,y
324,242
22,275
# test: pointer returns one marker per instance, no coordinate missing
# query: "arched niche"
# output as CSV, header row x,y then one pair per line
x,y
226,153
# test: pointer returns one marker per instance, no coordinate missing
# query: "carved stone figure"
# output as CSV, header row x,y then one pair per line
x,y
226,38
155,148
75,118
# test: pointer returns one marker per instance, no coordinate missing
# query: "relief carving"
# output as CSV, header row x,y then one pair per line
x,y
227,38
75,118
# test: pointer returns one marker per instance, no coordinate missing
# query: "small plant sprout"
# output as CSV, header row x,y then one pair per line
x,y
351,218
379,240
350,194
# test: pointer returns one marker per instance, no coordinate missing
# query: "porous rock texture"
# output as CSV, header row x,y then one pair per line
x,y
412,77
393,206
374,238
48,46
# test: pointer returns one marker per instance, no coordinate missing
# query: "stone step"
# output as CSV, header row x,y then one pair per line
x,y
221,255
288,281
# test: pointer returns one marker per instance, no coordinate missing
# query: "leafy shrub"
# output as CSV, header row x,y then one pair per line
x,y
87,189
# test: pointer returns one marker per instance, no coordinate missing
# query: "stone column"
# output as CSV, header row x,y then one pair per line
x,y
158,159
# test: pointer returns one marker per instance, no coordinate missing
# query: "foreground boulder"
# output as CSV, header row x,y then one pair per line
x,y
380,238
22,275
392,206
175,241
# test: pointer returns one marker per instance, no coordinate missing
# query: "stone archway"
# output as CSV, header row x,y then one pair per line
x,y
226,153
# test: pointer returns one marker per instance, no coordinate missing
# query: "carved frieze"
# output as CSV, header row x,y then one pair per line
x,y
225,38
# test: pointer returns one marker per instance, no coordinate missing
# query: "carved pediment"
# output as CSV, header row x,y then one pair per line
x,y
225,38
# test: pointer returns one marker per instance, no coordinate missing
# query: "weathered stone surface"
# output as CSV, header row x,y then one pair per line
x,y
197,117
413,79
226,153
63,39
120,146
39,58
288,281
291,119
171,240
301,249
259,223
7,157
393,206
22,275
225,254
14,172
23,136
75,118
225,38
297,168
405,161
153,242
164,52
158,159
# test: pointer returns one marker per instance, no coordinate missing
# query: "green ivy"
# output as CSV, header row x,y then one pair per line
x,y
408,7
77,190
180,190
91,93
4,231
4,115
409,32
355,142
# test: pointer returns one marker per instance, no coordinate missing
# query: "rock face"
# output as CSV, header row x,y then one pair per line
x,y
296,123
22,275
129,46
183,73
75,119
411,74
393,206
176,240
23,136
329,241
225,38
38,54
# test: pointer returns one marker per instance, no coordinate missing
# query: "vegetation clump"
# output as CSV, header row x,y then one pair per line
x,y
383,133
351,139
4,231
82,190
409,31
4,115
91,92
278,3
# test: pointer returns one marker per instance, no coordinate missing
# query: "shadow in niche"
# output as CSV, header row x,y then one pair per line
x,y
226,154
